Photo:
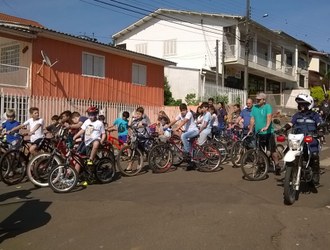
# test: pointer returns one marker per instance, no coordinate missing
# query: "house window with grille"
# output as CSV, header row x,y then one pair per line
x,y
93,65
9,57
170,47
141,48
139,74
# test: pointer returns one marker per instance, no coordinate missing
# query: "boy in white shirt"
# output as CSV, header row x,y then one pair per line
x,y
94,133
191,130
36,128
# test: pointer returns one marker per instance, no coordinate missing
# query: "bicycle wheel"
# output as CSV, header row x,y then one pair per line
x,y
62,178
280,149
105,170
160,158
177,149
208,158
290,193
254,165
222,148
129,161
236,153
13,167
39,166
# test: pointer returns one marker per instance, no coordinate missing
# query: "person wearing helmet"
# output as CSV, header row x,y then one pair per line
x,y
306,121
94,133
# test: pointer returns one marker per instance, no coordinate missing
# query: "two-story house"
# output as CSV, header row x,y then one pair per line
x,y
36,61
319,69
209,50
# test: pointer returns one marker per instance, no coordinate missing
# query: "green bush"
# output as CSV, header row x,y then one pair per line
x,y
318,93
221,98
191,99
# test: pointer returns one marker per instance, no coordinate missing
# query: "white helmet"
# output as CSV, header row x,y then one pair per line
x,y
305,99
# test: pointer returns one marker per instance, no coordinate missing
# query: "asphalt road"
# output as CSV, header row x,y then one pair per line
x,y
175,210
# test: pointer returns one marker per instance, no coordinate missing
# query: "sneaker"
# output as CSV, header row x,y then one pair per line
x,y
89,162
83,184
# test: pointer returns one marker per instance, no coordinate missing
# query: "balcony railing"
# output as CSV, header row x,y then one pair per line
x,y
14,76
260,59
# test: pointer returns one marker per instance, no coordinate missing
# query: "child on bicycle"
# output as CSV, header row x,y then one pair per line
x,y
186,120
122,126
36,128
94,133
8,125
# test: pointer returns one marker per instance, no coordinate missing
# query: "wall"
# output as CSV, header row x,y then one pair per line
x,y
65,78
183,81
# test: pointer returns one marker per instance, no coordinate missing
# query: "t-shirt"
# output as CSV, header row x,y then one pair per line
x,y
122,126
39,133
246,115
259,113
190,125
8,125
207,119
214,120
93,130
221,116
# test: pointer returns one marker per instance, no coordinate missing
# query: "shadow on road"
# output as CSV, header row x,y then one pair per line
x,y
28,216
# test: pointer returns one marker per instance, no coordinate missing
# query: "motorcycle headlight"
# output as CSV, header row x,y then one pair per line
x,y
294,144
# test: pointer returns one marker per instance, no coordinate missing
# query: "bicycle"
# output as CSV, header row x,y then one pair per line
x,y
14,162
131,157
39,166
206,157
255,163
64,177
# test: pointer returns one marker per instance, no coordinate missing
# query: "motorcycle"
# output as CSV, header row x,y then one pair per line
x,y
297,161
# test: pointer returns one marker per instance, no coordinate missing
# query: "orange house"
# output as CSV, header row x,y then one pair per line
x,y
38,61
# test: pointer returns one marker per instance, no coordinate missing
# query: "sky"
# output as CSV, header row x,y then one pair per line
x,y
306,20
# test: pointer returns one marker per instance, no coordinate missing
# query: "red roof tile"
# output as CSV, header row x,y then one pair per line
x,y
17,20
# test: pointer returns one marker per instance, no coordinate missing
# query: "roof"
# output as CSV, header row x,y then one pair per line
x,y
164,13
34,29
17,20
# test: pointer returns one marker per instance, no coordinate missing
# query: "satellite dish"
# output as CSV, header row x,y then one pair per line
x,y
46,60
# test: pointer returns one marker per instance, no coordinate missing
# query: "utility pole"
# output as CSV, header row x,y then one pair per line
x,y
247,38
217,64
223,64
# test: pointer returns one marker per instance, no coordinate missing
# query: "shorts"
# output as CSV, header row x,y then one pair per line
x,y
38,142
122,138
268,141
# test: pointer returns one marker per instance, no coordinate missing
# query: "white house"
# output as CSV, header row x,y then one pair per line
x,y
209,50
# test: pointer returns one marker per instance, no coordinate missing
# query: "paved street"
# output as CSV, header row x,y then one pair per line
x,y
176,210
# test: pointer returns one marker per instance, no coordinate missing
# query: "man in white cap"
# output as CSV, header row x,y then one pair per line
x,y
261,121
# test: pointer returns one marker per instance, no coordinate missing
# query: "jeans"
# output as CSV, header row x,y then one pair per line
x,y
203,136
186,143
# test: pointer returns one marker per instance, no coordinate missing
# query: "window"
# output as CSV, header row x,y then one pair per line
x,y
141,48
92,65
170,47
302,81
139,74
9,56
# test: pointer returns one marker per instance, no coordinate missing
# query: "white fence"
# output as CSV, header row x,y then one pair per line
x,y
49,106
234,95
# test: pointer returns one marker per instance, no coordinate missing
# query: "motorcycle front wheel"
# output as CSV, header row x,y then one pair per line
x,y
290,192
